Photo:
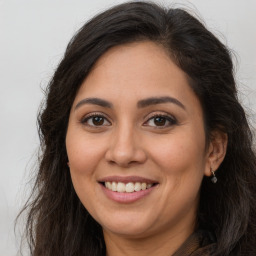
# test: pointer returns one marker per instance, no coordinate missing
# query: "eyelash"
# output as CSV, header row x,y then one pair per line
x,y
85,119
167,118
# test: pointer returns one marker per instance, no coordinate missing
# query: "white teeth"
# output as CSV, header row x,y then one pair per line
x,y
114,186
128,187
109,185
120,187
148,185
137,186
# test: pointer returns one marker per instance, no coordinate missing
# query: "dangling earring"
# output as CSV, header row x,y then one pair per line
x,y
214,178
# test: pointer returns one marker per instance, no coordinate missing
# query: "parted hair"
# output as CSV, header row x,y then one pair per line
x,y
57,222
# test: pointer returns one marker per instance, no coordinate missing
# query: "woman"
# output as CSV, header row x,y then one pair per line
x,y
145,147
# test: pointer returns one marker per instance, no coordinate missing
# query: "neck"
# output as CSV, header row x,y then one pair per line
x,y
163,244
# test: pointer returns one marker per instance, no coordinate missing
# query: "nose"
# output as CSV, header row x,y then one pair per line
x,y
125,148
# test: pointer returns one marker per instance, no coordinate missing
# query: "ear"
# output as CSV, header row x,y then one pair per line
x,y
216,151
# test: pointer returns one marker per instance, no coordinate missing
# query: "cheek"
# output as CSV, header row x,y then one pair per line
x,y
182,162
179,154
83,153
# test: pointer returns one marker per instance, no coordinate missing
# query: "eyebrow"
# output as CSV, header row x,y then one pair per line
x,y
159,100
141,104
94,101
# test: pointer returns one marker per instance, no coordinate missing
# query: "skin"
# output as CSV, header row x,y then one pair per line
x,y
128,141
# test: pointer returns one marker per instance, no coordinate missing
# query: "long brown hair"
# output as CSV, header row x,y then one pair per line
x,y
57,222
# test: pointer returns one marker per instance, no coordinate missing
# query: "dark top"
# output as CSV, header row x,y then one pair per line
x,y
200,243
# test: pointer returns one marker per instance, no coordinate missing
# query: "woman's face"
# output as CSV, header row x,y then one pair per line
x,y
137,127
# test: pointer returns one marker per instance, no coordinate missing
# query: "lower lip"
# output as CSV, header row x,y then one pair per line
x,y
121,197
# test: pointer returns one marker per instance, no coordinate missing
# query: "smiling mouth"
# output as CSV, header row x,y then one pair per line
x,y
129,187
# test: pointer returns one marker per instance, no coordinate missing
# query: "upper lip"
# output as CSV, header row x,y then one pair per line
x,y
126,179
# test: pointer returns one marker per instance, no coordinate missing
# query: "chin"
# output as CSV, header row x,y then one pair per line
x,y
132,226
128,231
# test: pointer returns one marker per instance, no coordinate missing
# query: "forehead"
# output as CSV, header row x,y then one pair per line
x,y
135,71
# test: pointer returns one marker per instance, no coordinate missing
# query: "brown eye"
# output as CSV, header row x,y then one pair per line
x,y
95,121
160,121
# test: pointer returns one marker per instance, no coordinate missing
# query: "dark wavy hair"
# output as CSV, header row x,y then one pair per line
x,y
57,222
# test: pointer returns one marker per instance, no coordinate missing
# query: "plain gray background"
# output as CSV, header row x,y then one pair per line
x,y
33,37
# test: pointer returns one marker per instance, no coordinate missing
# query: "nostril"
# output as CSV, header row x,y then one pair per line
x,y
125,153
